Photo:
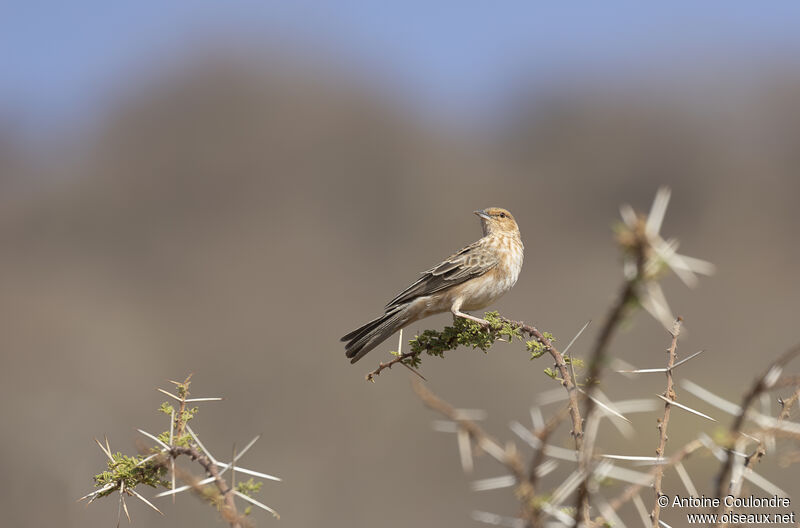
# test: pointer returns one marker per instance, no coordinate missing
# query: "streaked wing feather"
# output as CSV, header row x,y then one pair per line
x,y
472,261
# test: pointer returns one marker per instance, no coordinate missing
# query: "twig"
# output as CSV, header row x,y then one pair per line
x,y
183,391
756,456
229,509
483,439
787,404
399,359
669,395
542,435
125,473
567,381
632,490
761,384
508,456
597,359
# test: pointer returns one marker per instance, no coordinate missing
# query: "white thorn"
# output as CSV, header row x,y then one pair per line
x,y
169,394
684,407
255,502
658,211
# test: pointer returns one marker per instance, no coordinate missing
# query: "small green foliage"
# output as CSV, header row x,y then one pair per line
x,y
412,361
536,348
502,328
249,487
462,333
164,437
183,441
468,333
124,473
132,472
188,414
576,362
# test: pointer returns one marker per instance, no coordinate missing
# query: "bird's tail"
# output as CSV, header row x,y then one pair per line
x,y
375,332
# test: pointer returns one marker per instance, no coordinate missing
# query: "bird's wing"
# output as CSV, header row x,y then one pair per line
x,y
472,261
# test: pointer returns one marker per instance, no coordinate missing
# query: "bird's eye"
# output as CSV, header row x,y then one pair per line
x,y
502,215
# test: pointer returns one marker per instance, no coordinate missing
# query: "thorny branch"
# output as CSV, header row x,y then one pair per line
x,y
786,408
183,392
508,456
228,509
399,359
538,458
762,384
760,450
628,293
566,378
567,381
125,473
669,394
632,490
787,404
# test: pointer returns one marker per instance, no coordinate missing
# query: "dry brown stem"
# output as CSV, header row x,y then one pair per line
x,y
226,504
669,394
538,458
631,491
510,458
389,364
760,385
597,359
567,381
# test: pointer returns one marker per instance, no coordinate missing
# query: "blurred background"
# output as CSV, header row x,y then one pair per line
x,y
227,188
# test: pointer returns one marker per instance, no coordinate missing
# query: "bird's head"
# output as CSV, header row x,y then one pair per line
x,y
496,220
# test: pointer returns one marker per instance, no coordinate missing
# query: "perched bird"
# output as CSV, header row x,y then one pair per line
x,y
468,280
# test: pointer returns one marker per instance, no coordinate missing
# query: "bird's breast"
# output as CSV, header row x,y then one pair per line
x,y
510,253
482,291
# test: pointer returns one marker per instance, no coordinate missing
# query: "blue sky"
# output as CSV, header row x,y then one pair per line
x,y
59,58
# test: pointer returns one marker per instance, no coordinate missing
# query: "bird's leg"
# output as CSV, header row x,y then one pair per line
x,y
456,310
483,322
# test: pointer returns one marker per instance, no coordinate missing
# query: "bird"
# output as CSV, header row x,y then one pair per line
x,y
469,279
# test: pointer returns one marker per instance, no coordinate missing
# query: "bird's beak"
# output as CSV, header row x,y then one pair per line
x,y
482,214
